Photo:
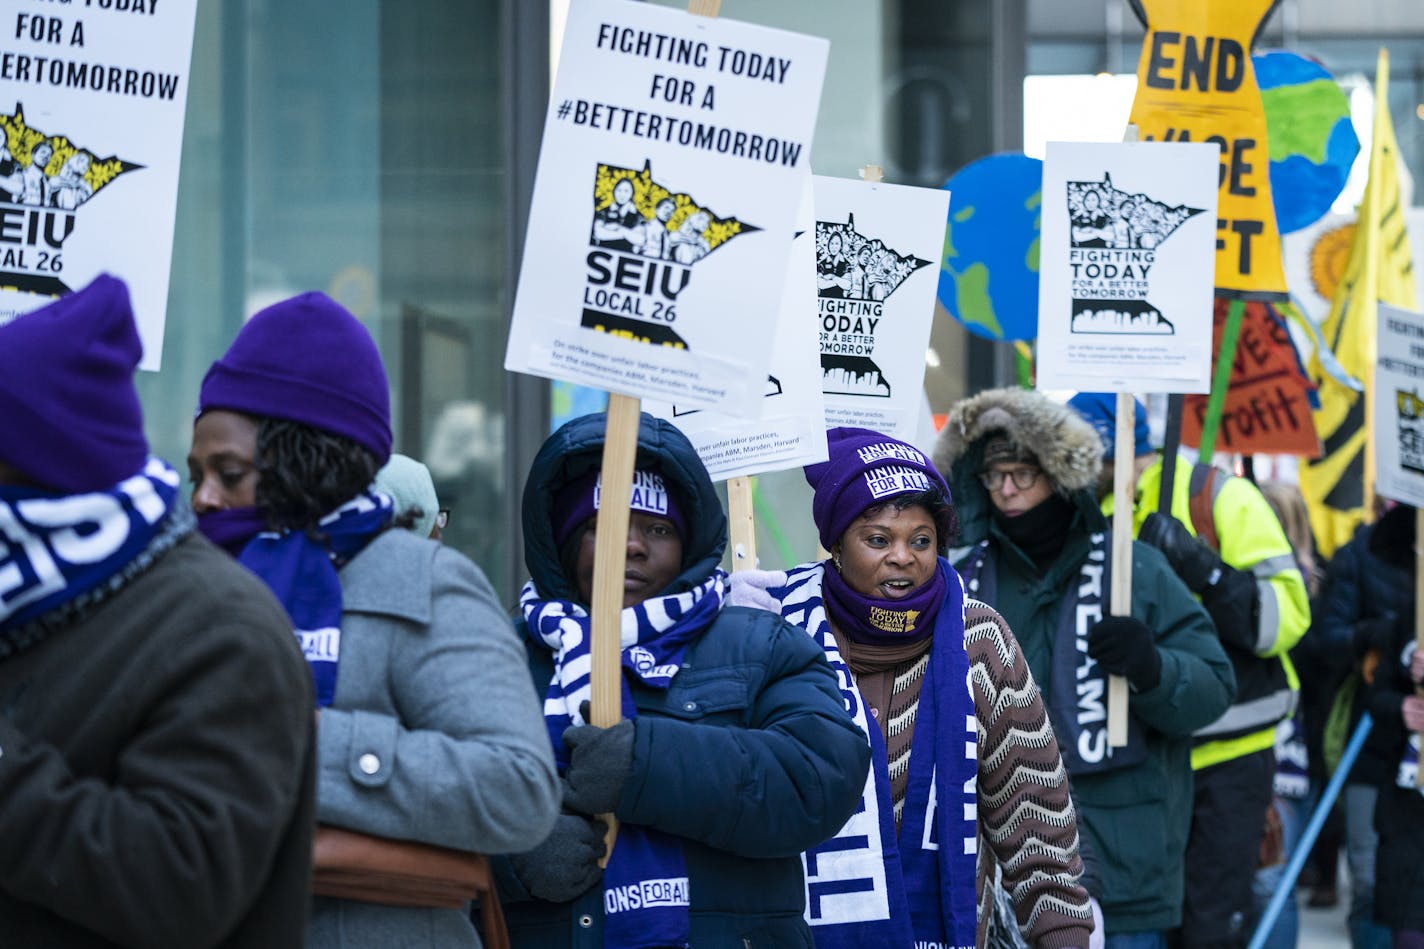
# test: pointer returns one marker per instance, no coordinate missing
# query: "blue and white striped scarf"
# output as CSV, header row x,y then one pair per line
x,y
654,636
302,574
863,886
59,552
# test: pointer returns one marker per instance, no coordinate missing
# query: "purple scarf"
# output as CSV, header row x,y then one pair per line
x,y
232,528
878,622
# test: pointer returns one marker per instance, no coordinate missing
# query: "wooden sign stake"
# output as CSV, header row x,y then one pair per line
x,y
1121,556
610,558
741,523
1121,580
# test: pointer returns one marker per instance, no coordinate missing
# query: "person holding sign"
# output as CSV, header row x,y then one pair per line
x,y
1394,701
736,752
428,735
967,779
1023,468
1222,539
157,754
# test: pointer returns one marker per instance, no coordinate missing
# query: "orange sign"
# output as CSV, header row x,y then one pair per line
x,y
1195,82
1267,407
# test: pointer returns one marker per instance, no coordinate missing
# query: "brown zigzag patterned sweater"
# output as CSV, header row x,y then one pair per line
x,y
1026,820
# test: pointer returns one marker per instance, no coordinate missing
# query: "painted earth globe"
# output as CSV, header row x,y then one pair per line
x,y
988,277
1311,140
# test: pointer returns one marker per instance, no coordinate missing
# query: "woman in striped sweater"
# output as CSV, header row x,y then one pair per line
x,y
966,773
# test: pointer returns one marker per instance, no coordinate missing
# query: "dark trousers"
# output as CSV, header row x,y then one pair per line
x,y
1228,820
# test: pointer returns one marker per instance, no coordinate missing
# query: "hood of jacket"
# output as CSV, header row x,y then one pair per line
x,y
574,450
1067,447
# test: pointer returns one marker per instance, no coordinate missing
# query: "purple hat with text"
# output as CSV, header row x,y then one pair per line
x,y
307,360
578,500
72,419
864,468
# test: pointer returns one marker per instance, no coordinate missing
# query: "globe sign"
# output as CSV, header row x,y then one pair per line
x,y
988,276
1312,142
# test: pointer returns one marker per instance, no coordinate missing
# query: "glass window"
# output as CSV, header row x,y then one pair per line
x,y
363,155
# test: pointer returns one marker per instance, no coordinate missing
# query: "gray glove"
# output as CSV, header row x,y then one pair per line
x,y
600,760
565,865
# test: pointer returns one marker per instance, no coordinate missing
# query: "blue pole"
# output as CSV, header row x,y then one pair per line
x,y
1286,889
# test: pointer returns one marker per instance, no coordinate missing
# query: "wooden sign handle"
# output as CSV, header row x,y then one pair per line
x,y
872,174
741,523
1121,556
704,7
610,557
1121,604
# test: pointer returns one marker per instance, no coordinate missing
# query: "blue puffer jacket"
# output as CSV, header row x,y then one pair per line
x,y
750,756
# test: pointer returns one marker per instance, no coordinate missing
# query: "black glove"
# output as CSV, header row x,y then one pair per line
x,y
1377,633
600,760
1196,563
1234,603
1124,646
565,865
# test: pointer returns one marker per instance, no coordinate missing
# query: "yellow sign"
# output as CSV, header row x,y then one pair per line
x,y
1195,83
1380,268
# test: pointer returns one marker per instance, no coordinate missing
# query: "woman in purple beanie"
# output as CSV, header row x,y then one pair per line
x,y
966,780
428,729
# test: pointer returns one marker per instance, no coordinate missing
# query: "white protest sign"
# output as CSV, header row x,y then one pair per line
x,y
791,431
878,248
664,205
1399,406
92,98
1127,262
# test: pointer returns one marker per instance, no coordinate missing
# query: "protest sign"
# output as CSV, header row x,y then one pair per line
x,y
790,431
1399,406
665,203
1267,404
1126,260
92,99
1196,83
875,298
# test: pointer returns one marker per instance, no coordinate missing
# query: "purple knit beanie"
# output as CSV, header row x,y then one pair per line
x,y
578,500
306,360
72,420
865,468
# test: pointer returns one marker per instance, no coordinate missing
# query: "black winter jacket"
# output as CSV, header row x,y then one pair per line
x,y
1364,596
157,769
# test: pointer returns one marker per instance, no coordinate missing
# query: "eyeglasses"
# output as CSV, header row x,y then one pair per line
x,y
1023,478
442,517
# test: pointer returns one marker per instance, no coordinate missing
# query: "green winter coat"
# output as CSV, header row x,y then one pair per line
x,y
1135,820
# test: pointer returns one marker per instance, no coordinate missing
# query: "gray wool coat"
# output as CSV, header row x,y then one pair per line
x,y
435,733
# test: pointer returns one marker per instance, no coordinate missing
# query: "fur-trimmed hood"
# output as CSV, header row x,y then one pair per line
x,y
1067,447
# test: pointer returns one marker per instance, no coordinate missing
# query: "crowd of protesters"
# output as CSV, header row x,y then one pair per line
x,y
275,710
